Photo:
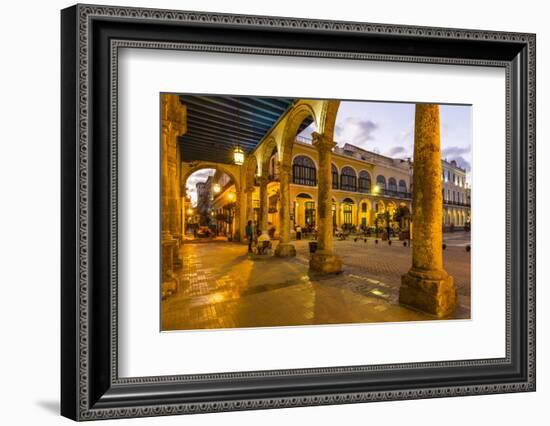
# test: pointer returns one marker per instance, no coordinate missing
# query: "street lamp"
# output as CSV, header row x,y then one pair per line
x,y
230,196
217,188
375,189
238,156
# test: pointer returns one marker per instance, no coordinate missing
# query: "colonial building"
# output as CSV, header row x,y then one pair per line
x,y
456,196
365,185
204,200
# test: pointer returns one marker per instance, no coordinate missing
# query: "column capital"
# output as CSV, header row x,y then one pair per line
x,y
321,141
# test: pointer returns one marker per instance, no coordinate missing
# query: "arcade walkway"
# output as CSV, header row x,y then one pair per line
x,y
220,287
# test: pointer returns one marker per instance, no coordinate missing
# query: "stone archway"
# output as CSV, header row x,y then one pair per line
x,y
189,168
298,114
234,173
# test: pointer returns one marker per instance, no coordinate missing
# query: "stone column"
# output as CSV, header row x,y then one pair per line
x,y
427,286
237,211
249,205
284,249
174,124
324,261
263,203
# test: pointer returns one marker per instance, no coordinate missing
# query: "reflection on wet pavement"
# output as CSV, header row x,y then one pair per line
x,y
221,287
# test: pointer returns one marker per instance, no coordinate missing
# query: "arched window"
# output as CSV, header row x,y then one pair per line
x,y
392,185
381,182
364,182
402,186
348,179
304,171
334,176
347,208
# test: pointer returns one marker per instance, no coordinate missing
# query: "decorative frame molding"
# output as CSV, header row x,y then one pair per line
x,y
91,388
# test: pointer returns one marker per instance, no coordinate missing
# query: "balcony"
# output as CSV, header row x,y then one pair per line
x,y
456,203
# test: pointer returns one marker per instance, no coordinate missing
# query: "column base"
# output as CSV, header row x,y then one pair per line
x,y
325,262
285,250
432,292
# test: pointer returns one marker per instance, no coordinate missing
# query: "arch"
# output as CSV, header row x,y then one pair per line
x,y
402,186
304,160
298,114
327,120
304,195
365,183
209,165
379,206
348,200
251,171
392,184
391,206
348,179
269,146
381,182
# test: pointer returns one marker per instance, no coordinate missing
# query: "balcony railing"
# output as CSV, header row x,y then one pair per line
x,y
304,175
456,203
392,193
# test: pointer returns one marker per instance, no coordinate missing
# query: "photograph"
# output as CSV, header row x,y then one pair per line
x,y
289,211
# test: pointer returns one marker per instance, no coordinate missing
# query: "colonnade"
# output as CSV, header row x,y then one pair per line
x,y
426,286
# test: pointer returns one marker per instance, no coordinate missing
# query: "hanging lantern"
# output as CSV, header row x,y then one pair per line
x,y
238,156
217,188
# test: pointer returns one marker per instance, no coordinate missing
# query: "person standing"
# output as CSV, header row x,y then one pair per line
x,y
250,235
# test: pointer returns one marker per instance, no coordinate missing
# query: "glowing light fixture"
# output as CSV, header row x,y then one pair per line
x,y
376,189
189,212
238,156
230,196
217,188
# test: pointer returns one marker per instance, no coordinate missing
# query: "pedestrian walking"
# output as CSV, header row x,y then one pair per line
x,y
250,235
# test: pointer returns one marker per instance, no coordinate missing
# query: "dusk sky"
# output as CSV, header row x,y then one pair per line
x,y
388,129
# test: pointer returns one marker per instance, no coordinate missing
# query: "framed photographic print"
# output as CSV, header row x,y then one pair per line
x,y
263,212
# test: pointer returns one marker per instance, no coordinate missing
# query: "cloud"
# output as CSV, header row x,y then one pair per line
x,y
399,151
461,162
360,131
457,154
455,151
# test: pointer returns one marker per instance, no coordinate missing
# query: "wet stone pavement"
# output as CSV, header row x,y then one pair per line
x,y
221,286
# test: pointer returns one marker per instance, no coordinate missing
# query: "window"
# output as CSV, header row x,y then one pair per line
x,y
402,186
392,185
304,171
364,182
334,176
364,207
348,214
310,213
348,179
381,182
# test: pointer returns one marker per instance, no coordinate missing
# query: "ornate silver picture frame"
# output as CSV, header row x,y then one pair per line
x,y
91,38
